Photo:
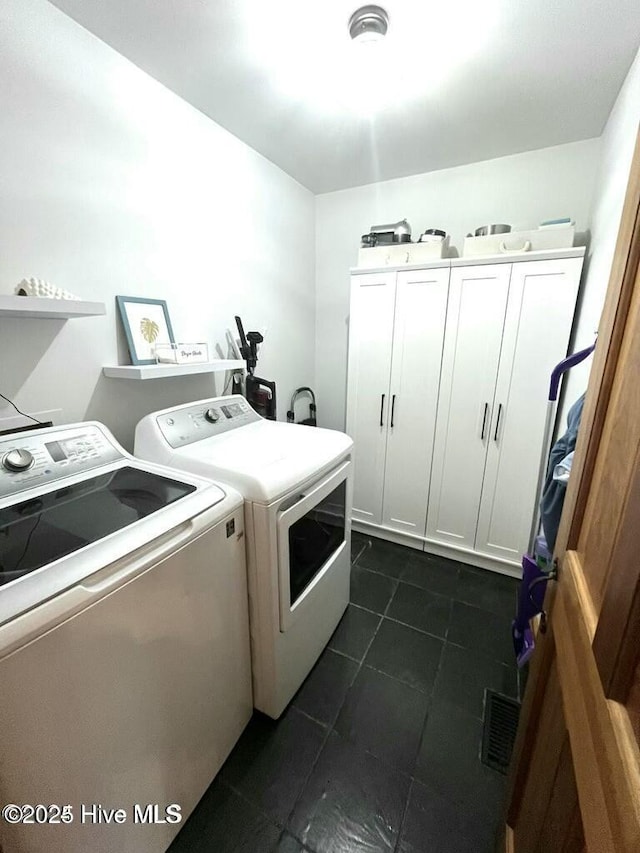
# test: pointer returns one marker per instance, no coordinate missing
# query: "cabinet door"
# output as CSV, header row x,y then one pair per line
x,y
418,334
542,300
473,336
370,337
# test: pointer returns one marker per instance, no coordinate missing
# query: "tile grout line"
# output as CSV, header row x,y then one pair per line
x,y
250,802
396,846
414,780
359,554
414,627
330,726
360,666
451,597
308,776
444,640
400,680
431,696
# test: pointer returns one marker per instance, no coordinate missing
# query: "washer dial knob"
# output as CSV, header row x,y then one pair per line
x,y
212,416
18,460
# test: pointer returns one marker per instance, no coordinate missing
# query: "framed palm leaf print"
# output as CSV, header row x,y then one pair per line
x,y
146,323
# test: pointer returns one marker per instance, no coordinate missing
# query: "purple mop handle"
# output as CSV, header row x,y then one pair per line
x,y
565,365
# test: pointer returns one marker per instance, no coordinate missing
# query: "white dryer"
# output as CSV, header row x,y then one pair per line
x,y
297,485
124,641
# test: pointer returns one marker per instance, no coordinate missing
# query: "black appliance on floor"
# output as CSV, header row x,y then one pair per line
x,y
260,393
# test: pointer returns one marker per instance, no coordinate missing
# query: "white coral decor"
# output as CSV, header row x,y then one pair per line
x,y
42,288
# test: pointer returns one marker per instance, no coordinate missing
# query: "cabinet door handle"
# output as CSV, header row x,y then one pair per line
x,y
495,435
484,421
381,408
393,406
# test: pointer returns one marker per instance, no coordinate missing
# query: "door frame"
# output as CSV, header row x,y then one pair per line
x,y
600,799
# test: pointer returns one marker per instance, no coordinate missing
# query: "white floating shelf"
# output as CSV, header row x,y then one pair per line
x,y
48,309
164,371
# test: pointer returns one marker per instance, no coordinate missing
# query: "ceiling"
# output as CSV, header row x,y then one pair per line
x,y
453,82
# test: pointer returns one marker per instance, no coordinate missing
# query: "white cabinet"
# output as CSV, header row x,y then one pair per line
x,y
396,334
449,373
507,326
542,298
371,337
475,320
418,331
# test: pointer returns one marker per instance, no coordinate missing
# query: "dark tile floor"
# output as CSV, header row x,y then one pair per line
x,y
379,750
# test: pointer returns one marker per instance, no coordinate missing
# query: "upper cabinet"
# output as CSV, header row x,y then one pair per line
x,y
447,388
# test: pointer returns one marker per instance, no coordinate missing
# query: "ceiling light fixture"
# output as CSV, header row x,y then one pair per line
x,y
368,23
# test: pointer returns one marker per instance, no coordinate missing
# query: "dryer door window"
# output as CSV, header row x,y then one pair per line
x,y
314,538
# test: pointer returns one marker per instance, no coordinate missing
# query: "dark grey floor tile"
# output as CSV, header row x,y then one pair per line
x,y
487,590
434,824
322,694
385,557
421,609
272,759
478,629
436,574
449,761
358,544
351,802
385,717
225,822
371,590
287,844
406,654
465,673
355,632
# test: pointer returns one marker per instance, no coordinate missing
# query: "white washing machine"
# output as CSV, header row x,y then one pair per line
x,y
297,485
125,666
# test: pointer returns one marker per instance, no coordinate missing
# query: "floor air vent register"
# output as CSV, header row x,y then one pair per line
x,y
500,725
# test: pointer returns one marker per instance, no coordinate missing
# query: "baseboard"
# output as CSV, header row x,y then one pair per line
x,y
473,558
388,535
461,555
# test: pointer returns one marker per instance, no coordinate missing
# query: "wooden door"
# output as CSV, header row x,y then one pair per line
x,y
370,344
575,776
542,300
421,306
473,337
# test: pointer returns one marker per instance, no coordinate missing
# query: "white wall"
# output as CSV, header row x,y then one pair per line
x,y
618,141
110,184
521,190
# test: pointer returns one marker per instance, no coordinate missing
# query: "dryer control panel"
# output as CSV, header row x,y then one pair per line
x,y
205,419
36,459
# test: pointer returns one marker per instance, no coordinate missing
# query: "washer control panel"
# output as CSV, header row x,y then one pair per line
x,y
37,459
206,419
